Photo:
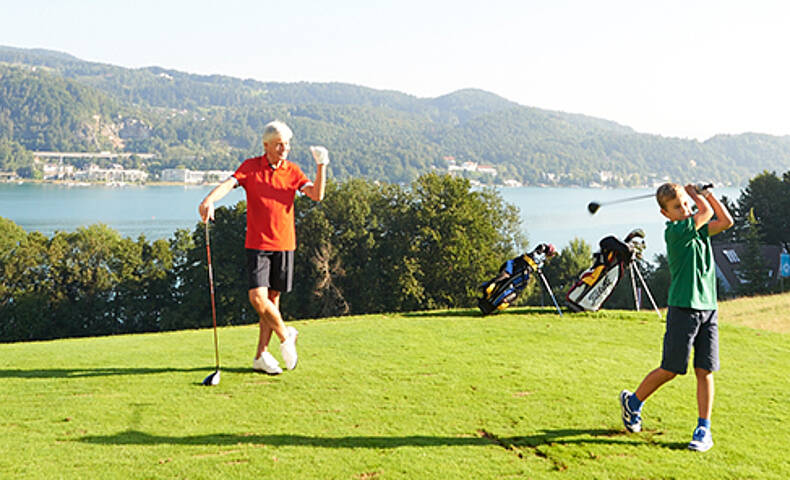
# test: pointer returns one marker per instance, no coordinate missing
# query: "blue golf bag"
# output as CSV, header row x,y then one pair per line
x,y
501,291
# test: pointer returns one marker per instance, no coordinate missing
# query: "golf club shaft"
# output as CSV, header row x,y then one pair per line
x,y
638,197
211,289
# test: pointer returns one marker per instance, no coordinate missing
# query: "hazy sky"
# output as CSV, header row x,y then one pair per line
x,y
676,68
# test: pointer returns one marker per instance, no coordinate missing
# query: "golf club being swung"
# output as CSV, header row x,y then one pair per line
x,y
593,207
212,379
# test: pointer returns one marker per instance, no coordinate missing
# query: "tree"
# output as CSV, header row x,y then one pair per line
x,y
753,272
10,236
84,283
767,199
461,234
563,271
191,292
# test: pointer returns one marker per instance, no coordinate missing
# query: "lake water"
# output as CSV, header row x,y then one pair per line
x,y
558,215
549,215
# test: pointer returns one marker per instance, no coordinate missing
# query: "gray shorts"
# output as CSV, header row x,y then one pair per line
x,y
273,270
687,328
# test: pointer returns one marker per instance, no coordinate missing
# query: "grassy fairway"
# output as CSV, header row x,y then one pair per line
x,y
443,395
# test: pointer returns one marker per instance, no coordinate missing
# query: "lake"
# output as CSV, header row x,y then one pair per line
x,y
549,215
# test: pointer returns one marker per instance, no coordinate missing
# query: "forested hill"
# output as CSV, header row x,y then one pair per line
x,y
55,101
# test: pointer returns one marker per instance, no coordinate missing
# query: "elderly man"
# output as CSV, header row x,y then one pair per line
x,y
270,183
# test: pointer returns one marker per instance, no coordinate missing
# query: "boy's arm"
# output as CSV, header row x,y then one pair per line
x,y
704,210
723,218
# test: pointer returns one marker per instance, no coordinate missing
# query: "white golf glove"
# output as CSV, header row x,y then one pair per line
x,y
320,154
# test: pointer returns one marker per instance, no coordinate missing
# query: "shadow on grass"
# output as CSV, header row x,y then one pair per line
x,y
105,372
563,437
483,438
582,437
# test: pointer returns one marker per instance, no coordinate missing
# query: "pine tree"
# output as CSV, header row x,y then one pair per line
x,y
753,271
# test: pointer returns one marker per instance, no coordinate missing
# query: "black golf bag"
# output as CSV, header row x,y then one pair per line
x,y
596,284
502,290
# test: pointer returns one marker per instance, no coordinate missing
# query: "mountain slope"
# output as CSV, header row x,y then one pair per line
x,y
214,121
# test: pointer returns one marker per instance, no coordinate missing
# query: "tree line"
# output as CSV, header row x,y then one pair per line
x,y
366,248
369,247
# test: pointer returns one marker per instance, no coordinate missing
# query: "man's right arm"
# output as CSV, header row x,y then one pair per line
x,y
206,207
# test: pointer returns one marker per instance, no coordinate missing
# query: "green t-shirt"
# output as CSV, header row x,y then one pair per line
x,y
691,266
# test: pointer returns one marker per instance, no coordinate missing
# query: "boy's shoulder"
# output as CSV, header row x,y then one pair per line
x,y
684,230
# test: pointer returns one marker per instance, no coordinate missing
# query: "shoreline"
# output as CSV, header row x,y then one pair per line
x,y
73,183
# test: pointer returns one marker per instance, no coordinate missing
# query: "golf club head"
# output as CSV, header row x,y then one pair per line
x,y
212,379
635,233
593,207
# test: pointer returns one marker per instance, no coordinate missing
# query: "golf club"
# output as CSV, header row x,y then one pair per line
x,y
593,207
212,379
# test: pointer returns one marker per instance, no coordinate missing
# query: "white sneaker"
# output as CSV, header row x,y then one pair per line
x,y
288,348
702,440
266,363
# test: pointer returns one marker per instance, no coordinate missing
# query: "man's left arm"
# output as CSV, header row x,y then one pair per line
x,y
316,190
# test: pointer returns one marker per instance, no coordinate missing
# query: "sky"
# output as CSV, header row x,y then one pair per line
x,y
689,69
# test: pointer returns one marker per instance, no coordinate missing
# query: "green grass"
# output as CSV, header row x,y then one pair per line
x,y
523,394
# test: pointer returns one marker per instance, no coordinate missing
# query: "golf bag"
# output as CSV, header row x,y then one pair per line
x,y
502,290
596,284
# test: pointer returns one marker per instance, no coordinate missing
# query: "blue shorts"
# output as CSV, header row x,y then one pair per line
x,y
687,328
273,270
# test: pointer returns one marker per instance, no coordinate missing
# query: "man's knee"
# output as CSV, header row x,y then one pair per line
x,y
257,295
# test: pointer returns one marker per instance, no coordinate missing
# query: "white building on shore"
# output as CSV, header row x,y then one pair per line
x,y
116,173
185,175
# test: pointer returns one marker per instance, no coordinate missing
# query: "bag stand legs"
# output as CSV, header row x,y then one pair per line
x,y
548,289
636,273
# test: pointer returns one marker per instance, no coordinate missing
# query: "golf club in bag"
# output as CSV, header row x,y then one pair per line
x,y
212,379
596,284
501,291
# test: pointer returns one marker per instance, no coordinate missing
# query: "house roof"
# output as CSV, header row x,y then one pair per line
x,y
728,262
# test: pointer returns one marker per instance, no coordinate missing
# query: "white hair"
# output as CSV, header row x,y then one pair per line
x,y
277,129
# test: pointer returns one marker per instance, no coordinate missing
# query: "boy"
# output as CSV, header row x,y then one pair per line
x,y
691,312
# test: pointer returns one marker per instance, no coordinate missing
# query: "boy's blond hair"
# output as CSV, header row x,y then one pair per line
x,y
666,192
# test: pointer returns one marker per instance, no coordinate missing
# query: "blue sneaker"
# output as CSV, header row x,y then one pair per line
x,y
702,440
631,420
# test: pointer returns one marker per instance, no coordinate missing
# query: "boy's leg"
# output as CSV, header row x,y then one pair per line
x,y
706,361
702,439
631,403
704,392
678,339
652,382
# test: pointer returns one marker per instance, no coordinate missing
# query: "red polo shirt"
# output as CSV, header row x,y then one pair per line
x,y
270,202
